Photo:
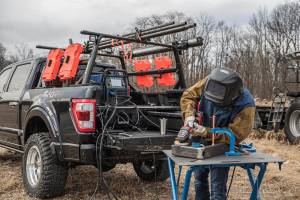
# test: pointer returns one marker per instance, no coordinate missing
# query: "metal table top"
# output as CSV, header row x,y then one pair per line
x,y
252,158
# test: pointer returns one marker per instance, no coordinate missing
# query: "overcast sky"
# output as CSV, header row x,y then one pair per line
x,y
52,22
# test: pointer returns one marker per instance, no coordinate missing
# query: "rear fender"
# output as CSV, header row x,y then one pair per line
x,y
49,118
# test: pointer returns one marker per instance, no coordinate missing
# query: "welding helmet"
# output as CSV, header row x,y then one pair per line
x,y
223,86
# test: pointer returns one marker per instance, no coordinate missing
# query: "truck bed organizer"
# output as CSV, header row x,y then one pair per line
x,y
144,140
143,66
71,61
167,79
52,65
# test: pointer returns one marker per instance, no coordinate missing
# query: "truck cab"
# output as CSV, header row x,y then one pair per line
x,y
16,80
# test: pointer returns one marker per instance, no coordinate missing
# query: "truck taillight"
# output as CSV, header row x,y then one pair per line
x,y
84,113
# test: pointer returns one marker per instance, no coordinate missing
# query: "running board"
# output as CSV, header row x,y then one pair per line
x,y
11,148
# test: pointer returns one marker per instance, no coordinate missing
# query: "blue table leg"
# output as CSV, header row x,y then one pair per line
x,y
252,181
255,183
172,179
187,181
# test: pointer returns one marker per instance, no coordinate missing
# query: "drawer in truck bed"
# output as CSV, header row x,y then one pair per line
x,y
142,140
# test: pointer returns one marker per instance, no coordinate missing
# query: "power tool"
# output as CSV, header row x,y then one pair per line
x,y
184,134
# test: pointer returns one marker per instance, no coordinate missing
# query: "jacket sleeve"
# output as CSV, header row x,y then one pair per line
x,y
189,98
242,124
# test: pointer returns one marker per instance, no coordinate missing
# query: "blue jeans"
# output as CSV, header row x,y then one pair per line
x,y
218,175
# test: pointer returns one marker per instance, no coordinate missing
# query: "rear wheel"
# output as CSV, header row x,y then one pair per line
x,y
292,123
148,170
43,175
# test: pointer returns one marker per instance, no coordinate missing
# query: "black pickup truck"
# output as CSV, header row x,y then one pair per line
x,y
98,117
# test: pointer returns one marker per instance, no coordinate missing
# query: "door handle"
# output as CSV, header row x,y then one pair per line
x,y
13,104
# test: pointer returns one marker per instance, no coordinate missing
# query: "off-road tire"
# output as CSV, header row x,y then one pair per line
x,y
292,134
53,174
161,170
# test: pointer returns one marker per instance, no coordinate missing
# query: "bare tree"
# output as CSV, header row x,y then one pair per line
x,y
257,50
275,34
3,57
23,52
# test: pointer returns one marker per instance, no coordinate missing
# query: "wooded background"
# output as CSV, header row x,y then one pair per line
x,y
256,50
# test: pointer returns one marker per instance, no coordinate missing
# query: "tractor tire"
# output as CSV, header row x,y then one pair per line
x,y
292,123
148,172
43,175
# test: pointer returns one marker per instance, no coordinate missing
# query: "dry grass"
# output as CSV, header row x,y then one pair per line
x,y
82,180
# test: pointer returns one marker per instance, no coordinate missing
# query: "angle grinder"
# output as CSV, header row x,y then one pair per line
x,y
184,136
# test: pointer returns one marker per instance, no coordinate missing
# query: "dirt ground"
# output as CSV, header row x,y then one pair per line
x,y
284,184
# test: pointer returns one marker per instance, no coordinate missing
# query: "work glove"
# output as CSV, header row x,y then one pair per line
x,y
191,129
199,131
189,121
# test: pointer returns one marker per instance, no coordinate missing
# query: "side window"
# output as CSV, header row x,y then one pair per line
x,y
38,80
3,78
19,77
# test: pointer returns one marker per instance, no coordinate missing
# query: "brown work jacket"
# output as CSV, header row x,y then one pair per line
x,y
241,125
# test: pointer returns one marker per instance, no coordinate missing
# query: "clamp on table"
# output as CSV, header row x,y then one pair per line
x,y
232,150
231,136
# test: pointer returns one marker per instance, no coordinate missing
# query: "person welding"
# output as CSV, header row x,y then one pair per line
x,y
219,100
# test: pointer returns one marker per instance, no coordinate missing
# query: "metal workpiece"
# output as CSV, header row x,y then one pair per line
x,y
201,153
